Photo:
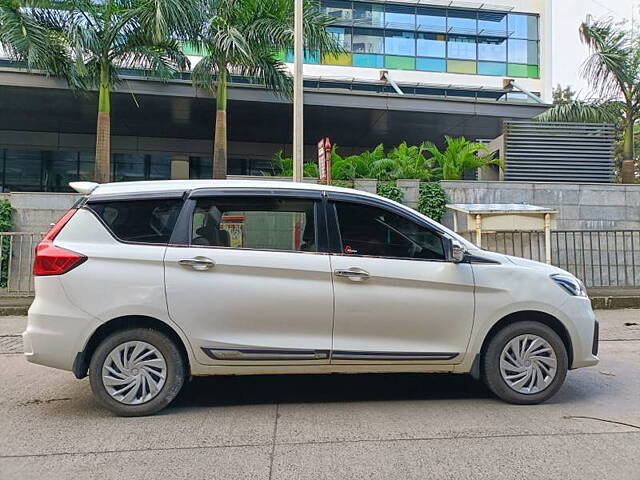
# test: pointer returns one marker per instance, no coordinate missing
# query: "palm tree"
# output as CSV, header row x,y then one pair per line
x,y
243,37
403,161
88,41
459,155
613,71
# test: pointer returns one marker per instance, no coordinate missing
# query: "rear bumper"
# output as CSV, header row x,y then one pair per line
x,y
56,329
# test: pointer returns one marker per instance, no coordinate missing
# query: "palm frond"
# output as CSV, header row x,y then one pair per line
x,y
584,112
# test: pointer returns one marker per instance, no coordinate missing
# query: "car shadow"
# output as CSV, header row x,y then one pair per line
x,y
319,388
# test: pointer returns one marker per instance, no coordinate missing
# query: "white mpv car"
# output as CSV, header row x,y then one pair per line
x,y
142,285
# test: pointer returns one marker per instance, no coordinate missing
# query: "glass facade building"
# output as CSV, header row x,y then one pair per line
x,y
23,170
432,39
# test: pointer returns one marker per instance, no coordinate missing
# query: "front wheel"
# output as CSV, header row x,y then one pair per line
x,y
525,363
136,372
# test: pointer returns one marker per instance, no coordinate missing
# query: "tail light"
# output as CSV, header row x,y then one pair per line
x,y
52,260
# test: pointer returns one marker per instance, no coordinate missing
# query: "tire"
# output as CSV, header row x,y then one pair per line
x,y
151,354
543,383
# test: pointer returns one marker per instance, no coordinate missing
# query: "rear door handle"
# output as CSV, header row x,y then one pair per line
x,y
354,274
198,263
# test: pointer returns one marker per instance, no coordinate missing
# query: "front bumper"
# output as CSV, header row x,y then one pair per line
x,y
583,330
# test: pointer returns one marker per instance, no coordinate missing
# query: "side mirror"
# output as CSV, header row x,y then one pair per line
x,y
458,252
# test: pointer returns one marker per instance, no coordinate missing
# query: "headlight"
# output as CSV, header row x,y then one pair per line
x,y
570,284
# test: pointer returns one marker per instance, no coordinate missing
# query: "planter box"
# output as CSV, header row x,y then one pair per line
x,y
366,185
411,190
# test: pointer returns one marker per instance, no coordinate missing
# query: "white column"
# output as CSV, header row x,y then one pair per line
x,y
298,120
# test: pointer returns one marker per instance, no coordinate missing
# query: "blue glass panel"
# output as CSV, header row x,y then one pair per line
x,y
431,64
463,21
492,23
399,43
431,19
311,57
518,51
368,60
398,16
495,69
523,26
368,40
494,49
432,45
462,47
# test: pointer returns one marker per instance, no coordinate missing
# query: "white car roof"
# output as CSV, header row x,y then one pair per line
x,y
119,188
123,188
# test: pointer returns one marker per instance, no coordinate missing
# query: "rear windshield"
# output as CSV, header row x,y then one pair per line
x,y
143,221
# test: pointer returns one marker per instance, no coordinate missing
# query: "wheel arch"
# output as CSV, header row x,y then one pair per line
x,y
535,316
81,362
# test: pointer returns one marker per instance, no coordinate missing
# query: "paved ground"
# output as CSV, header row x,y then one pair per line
x,y
381,427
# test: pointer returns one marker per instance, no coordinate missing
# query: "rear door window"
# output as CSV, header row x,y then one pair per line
x,y
265,223
140,221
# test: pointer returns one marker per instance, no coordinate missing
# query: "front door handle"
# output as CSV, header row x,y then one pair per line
x,y
198,263
354,274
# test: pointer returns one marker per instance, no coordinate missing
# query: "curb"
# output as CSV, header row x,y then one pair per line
x,y
13,311
615,303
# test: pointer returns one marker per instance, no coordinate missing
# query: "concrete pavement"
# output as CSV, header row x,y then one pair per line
x,y
342,426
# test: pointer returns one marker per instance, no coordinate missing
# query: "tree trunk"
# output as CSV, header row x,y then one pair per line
x,y
103,132
220,139
628,161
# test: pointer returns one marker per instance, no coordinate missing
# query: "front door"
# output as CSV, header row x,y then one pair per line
x,y
397,298
250,285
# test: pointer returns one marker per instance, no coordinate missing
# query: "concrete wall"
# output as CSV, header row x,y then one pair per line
x,y
580,206
35,212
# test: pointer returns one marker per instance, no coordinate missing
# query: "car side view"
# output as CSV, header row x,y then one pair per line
x,y
142,285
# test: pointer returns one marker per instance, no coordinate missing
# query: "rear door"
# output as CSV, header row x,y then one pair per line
x,y
398,298
250,282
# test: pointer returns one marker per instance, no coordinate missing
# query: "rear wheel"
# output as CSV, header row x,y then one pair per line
x,y
525,363
136,372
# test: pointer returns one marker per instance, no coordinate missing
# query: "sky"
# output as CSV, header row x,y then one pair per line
x,y
568,52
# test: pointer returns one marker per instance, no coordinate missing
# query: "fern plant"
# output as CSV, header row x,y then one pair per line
x,y
459,155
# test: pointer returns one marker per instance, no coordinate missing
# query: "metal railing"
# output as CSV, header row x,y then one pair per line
x,y
17,262
600,258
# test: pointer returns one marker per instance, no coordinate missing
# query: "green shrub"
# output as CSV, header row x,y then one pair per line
x,y
6,224
432,201
390,191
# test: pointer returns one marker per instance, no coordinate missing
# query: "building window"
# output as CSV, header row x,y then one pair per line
x,y
398,16
523,26
499,41
492,49
432,45
490,23
463,21
399,43
431,64
368,14
462,47
339,11
431,20
368,40
127,167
